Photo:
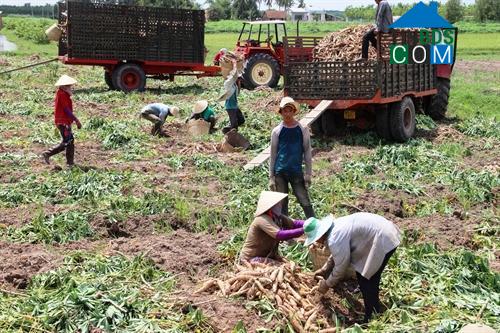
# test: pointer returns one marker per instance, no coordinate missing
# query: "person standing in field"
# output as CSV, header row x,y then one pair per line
x,y
157,113
230,95
364,240
63,119
383,19
290,146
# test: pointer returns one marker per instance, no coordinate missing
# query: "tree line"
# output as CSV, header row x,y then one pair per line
x,y
453,10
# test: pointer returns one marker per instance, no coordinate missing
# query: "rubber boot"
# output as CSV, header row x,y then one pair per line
x,y
70,154
54,150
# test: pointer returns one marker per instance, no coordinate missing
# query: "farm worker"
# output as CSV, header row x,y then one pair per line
x,y
63,118
222,52
290,145
230,95
157,113
201,110
268,228
383,19
365,241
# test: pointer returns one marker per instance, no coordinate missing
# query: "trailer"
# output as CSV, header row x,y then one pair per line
x,y
365,94
133,43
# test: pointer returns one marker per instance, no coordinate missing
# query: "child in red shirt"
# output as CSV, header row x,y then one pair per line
x,y
63,118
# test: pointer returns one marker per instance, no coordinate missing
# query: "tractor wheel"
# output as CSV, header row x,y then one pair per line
x,y
332,123
261,70
439,102
402,120
109,80
129,77
382,123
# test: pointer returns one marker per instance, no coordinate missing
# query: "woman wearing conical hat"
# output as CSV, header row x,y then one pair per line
x,y
63,119
268,228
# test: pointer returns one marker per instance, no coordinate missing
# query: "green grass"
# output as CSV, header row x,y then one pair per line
x,y
478,46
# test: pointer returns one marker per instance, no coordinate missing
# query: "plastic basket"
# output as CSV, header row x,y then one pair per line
x,y
319,255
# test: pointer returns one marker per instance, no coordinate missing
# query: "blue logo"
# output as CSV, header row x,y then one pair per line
x,y
436,37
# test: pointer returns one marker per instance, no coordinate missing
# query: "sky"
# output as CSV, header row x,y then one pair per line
x,y
319,4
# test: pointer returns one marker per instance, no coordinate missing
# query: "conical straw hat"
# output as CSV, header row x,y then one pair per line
x,y
65,80
267,200
200,106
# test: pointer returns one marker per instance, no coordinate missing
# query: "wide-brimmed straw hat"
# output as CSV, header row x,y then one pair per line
x,y
267,200
289,101
65,80
200,106
315,228
174,110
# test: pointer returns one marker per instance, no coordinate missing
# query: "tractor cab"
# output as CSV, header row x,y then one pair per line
x,y
261,44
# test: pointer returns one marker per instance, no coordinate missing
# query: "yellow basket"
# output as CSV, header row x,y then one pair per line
x,y
198,127
319,255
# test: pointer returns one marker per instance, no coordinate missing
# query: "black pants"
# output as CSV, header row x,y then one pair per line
x,y
236,118
370,289
299,190
67,143
369,37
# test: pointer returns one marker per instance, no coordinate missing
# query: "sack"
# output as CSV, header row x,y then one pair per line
x,y
54,33
198,127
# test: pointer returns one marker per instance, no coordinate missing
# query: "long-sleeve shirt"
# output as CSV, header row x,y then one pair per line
x,y
306,149
261,240
63,108
383,16
363,240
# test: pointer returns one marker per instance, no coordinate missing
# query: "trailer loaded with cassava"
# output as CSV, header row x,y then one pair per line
x,y
369,93
133,43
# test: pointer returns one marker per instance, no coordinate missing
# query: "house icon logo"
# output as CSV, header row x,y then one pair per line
x,y
436,37
422,16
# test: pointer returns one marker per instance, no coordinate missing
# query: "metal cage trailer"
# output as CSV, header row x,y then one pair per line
x,y
133,42
370,93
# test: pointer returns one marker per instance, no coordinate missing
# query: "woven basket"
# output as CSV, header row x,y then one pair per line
x,y
319,255
54,32
198,127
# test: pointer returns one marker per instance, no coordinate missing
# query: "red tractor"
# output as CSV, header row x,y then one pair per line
x,y
260,42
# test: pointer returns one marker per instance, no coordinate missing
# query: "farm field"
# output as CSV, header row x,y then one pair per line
x,y
121,242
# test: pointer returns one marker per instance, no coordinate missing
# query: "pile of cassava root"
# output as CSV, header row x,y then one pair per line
x,y
343,45
292,292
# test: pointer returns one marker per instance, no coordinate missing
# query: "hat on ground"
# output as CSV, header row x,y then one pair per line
x,y
200,106
267,200
65,80
314,228
289,101
174,110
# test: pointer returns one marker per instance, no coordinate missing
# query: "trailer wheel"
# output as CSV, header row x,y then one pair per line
x,y
382,124
332,123
129,77
261,70
439,102
109,80
402,120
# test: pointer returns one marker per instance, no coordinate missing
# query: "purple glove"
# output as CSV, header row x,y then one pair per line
x,y
298,223
289,234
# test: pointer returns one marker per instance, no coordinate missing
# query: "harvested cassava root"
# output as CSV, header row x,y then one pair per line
x,y
291,291
343,45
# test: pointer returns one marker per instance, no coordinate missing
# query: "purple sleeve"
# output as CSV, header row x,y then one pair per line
x,y
289,234
298,223
69,113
